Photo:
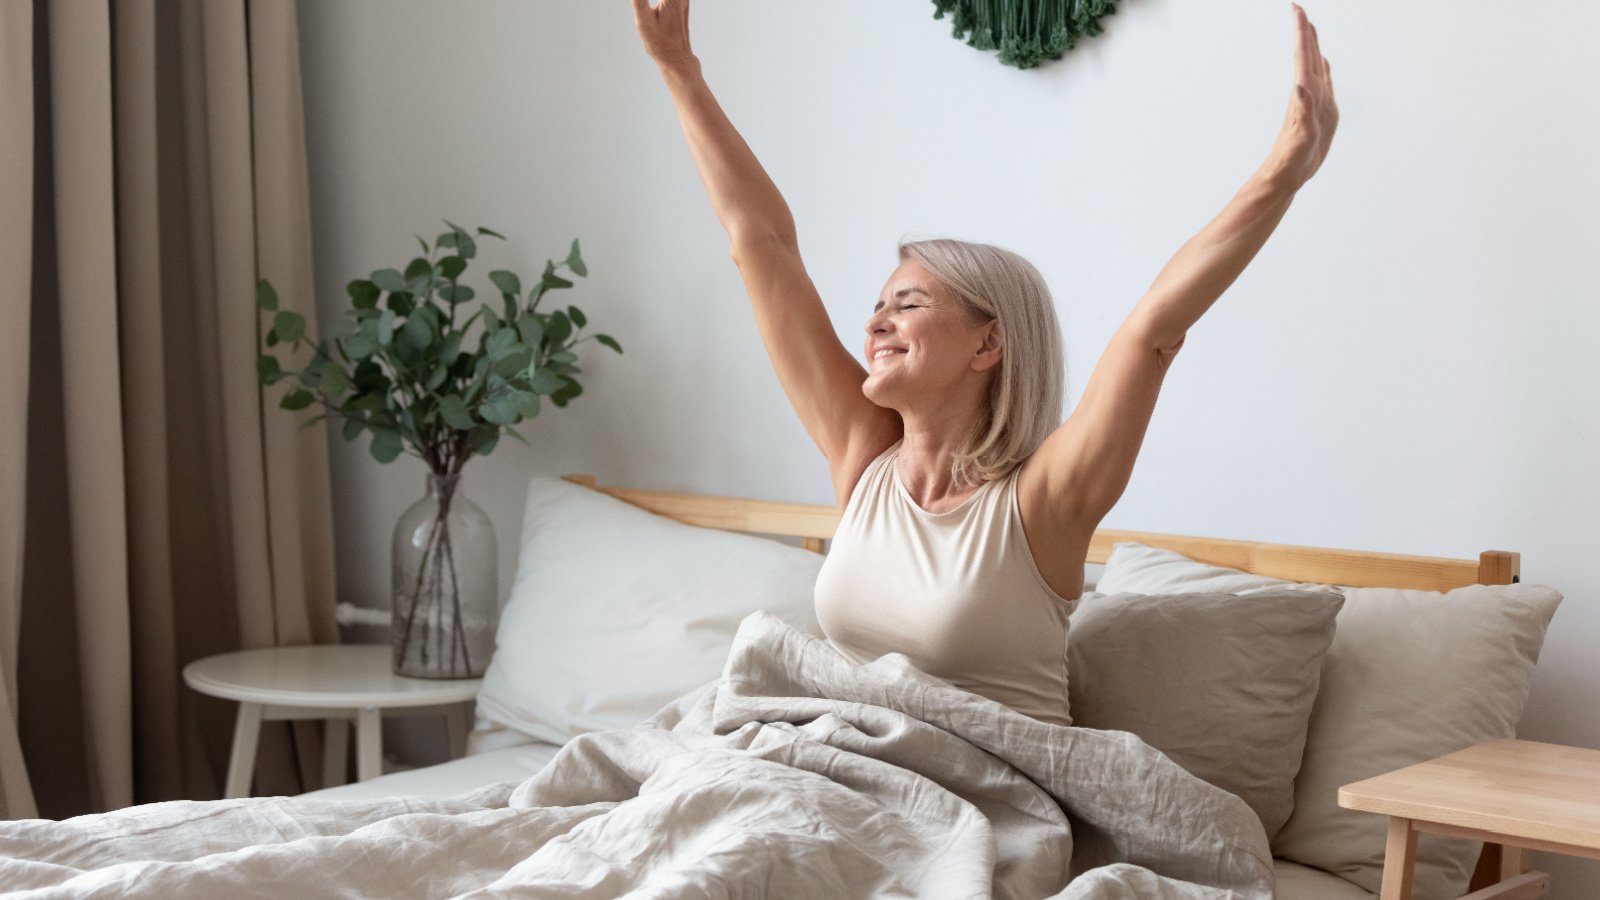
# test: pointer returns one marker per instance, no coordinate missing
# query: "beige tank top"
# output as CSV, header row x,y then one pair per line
x,y
957,592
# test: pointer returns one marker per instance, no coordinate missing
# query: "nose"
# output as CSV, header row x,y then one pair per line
x,y
878,323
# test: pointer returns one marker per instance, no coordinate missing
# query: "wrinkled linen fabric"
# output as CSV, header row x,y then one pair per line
x,y
797,774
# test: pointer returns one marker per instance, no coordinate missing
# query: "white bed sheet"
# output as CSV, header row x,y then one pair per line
x,y
514,763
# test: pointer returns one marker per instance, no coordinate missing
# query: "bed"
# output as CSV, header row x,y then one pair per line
x,y
627,602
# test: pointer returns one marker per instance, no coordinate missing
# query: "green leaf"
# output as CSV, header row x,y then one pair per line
x,y
389,280
289,326
558,329
385,328
267,369
386,444
372,403
266,295
485,439
455,413
424,245
578,317
358,347
401,304
466,246
575,262
491,322
551,279
565,369
513,362
507,282
572,389
353,427
498,410
436,377
334,381
501,342
457,293
296,399
482,230
448,239
417,332
609,341
531,329
369,377
545,381
565,356
272,338
420,268
451,267
526,402
450,349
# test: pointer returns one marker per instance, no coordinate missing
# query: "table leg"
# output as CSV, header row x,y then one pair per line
x,y
369,744
455,724
1510,861
1399,860
335,746
242,761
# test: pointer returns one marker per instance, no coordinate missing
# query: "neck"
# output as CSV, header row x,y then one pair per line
x,y
932,438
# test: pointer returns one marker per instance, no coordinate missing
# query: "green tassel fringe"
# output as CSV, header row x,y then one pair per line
x,y
1026,32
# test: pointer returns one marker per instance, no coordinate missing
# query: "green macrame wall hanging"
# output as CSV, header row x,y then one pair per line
x,y
1026,32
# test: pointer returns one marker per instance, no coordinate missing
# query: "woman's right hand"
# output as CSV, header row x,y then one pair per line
x,y
664,30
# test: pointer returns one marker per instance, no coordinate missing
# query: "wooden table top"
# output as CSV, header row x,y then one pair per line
x,y
1523,789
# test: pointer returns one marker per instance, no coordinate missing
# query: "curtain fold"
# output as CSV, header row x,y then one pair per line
x,y
171,511
16,269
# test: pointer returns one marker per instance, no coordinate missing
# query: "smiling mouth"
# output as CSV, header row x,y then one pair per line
x,y
887,351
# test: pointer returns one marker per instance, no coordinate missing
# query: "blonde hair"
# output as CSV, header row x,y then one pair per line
x,y
1024,401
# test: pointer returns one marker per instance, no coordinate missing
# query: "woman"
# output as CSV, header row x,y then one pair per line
x,y
968,506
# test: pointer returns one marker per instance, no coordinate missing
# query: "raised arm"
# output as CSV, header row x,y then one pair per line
x,y
821,378
1085,464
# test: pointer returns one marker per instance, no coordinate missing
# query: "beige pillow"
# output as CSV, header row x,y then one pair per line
x,y
1221,683
1410,675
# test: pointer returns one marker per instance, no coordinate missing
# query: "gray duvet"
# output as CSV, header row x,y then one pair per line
x,y
796,775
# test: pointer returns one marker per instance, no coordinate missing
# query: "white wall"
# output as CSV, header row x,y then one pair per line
x,y
1407,366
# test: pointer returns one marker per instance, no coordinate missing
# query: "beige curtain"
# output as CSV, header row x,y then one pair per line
x,y
155,506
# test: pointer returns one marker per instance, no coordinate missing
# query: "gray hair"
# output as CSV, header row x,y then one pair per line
x,y
1024,401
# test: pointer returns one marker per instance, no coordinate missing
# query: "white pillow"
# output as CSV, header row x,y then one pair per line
x,y
1410,675
616,611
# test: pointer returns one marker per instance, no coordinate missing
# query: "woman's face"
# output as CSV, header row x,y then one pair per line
x,y
921,343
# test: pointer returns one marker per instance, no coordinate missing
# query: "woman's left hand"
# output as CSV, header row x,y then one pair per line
x,y
1313,115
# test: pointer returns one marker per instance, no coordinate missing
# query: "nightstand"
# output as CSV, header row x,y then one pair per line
x,y
339,684
1519,794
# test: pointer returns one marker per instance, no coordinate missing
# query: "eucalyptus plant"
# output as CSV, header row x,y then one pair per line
x,y
399,365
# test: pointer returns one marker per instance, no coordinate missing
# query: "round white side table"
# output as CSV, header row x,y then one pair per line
x,y
336,683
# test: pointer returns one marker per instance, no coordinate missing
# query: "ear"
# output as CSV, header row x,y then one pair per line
x,y
991,350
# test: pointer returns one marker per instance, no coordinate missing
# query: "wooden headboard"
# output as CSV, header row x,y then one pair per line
x,y
814,524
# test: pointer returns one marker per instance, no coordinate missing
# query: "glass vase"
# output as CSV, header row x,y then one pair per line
x,y
446,597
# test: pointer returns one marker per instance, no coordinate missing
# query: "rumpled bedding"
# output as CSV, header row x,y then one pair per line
x,y
795,775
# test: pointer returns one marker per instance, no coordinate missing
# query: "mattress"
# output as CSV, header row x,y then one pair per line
x,y
515,763
457,776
